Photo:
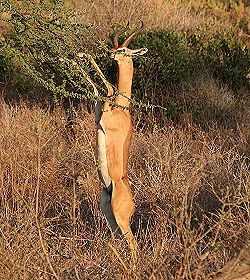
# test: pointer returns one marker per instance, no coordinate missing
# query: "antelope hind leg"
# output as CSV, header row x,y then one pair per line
x,y
106,207
123,208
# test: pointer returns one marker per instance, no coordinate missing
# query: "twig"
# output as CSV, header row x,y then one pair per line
x,y
37,208
77,274
201,260
119,258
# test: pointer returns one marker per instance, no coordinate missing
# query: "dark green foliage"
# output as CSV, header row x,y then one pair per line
x,y
168,61
174,58
44,34
3,68
158,77
177,58
226,57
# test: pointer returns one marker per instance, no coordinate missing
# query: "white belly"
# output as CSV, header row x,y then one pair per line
x,y
102,164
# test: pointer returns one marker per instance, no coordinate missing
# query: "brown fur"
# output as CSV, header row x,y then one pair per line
x,y
116,122
114,132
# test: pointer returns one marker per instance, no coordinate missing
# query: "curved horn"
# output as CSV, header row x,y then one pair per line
x,y
131,36
117,34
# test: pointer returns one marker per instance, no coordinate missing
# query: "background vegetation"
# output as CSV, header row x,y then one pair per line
x,y
189,163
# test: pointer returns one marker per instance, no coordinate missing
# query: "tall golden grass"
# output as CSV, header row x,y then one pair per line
x,y
161,14
191,190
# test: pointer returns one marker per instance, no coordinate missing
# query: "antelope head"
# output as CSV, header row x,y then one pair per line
x,y
122,52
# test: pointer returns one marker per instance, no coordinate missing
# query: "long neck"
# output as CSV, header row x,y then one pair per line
x,y
125,77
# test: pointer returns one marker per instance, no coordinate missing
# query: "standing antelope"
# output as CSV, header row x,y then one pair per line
x,y
114,130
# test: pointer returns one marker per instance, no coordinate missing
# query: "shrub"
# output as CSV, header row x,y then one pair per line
x,y
3,68
178,58
43,34
226,57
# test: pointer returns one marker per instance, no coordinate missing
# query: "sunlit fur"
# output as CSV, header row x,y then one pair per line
x,y
114,131
114,135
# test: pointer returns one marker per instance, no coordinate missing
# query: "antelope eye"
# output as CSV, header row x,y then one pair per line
x,y
121,51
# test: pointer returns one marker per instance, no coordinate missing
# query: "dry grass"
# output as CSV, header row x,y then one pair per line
x,y
191,190
159,14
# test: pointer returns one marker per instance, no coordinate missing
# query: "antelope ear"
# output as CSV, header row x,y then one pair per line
x,y
139,51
